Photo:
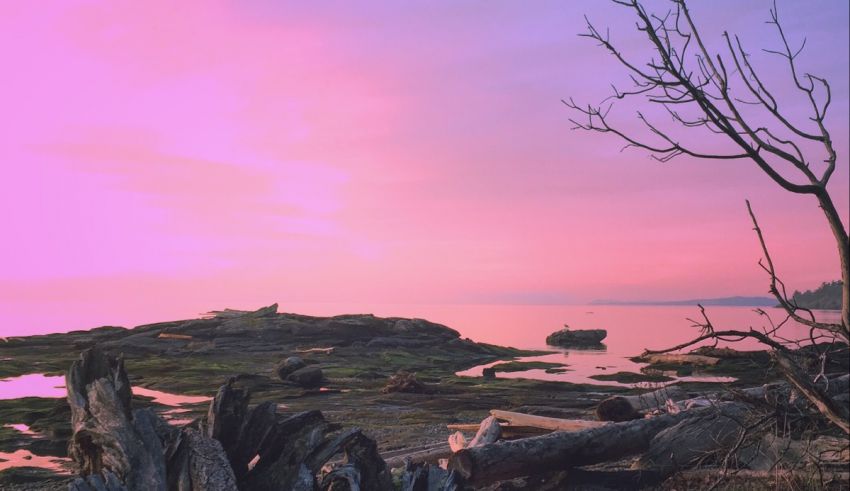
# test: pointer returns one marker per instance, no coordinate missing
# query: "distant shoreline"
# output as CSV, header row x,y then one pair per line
x,y
714,302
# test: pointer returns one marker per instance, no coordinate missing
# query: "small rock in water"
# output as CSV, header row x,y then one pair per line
x,y
288,366
581,337
307,377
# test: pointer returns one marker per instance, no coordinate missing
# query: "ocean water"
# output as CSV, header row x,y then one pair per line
x,y
631,329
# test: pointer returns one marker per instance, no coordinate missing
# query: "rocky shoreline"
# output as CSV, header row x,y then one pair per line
x,y
196,356
394,378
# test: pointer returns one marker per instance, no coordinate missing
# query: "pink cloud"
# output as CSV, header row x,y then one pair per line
x,y
170,158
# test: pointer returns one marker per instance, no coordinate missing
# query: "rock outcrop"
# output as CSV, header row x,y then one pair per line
x,y
286,367
570,338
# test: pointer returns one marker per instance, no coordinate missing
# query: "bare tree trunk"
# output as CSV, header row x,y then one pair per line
x,y
833,411
843,242
107,439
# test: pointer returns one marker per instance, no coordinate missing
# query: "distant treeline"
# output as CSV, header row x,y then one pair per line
x,y
825,297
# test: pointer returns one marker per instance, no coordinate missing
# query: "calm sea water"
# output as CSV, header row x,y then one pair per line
x,y
631,329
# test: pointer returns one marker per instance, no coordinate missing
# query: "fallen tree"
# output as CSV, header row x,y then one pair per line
x,y
565,450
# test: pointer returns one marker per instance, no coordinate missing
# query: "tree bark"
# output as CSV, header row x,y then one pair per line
x,y
106,438
836,413
842,240
685,444
544,422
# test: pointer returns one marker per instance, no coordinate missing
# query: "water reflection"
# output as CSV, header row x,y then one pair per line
x,y
167,399
580,369
50,386
32,385
25,458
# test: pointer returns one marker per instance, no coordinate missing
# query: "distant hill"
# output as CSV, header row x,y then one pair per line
x,y
825,297
725,301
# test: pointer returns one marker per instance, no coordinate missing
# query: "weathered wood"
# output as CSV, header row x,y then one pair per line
x,y
324,351
97,482
561,450
329,448
457,441
837,413
429,456
555,424
342,478
489,432
269,311
362,452
200,464
679,359
106,438
427,477
168,335
123,450
258,426
508,430
710,433
431,453
279,464
226,415
627,408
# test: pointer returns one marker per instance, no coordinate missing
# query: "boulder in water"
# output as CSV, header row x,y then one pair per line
x,y
569,338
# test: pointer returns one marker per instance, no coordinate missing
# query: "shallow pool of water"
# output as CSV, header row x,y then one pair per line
x,y
25,458
51,386
581,364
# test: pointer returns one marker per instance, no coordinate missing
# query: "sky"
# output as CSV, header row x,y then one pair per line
x,y
161,159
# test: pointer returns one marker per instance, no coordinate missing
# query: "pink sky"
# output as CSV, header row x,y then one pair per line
x,y
162,159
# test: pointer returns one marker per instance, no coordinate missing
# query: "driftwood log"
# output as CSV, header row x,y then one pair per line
x,y
544,422
563,450
627,408
700,438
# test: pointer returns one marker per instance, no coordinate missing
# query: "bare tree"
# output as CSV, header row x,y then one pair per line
x,y
723,94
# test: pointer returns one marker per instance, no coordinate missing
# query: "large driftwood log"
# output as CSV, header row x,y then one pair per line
x,y
544,422
696,439
488,432
562,450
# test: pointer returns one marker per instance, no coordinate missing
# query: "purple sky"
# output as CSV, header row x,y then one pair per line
x,y
166,158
